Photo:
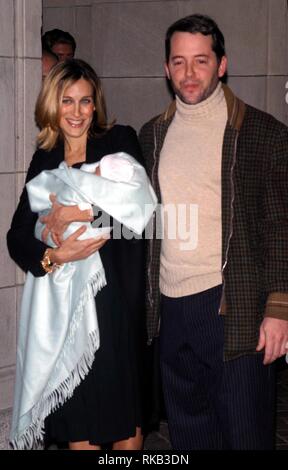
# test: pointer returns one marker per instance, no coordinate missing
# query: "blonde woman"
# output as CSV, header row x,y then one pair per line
x,y
106,406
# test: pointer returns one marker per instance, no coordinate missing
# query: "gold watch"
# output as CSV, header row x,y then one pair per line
x,y
47,264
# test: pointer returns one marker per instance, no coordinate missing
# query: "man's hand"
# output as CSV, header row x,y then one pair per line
x,y
58,219
273,337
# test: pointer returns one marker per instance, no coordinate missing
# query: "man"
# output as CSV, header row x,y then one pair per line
x,y
49,60
224,303
60,42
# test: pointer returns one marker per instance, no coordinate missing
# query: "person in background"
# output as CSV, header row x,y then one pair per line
x,y
223,297
60,43
49,59
106,407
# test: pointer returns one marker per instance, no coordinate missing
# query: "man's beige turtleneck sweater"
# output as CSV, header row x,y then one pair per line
x,y
190,174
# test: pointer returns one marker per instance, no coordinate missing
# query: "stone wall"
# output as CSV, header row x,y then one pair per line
x,y
20,78
124,41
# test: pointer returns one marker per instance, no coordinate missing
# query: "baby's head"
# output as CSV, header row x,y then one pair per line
x,y
115,167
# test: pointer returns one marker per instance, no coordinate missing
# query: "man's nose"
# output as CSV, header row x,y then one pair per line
x,y
190,70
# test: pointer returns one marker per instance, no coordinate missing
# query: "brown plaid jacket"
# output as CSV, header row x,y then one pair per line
x,y
254,222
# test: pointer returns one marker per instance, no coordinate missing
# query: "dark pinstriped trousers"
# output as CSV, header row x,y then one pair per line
x,y
212,404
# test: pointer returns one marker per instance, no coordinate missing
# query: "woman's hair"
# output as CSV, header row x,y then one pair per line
x,y
47,114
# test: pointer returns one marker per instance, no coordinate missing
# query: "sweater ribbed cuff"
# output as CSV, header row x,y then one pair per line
x,y
277,306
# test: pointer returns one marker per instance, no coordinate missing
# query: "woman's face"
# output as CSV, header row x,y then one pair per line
x,y
76,110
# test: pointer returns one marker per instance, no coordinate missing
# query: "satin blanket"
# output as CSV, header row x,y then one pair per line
x,y
58,331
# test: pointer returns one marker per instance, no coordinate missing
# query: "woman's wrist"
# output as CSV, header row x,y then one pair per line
x,y
48,261
54,256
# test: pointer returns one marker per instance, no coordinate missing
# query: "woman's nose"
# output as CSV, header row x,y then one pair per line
x,y
77,110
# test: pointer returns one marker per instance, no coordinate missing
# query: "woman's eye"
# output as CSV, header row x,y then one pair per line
x,y
86,100
66,101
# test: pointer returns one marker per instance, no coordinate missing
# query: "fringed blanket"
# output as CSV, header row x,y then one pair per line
x,y
58,331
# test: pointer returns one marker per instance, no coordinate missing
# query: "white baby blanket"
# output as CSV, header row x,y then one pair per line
x,y
58,331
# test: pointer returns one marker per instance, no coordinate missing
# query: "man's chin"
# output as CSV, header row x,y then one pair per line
x,y
191,100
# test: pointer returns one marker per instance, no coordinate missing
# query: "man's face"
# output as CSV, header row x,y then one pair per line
x,y
193,68
48,62
63,51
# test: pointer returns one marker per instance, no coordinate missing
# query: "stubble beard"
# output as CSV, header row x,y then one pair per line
x,y
200,97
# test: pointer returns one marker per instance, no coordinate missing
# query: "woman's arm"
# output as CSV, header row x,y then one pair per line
x,y
26,250
23,247
123,139
73,249
58,219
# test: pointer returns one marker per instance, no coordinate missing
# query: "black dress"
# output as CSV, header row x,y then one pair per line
x,y
107,405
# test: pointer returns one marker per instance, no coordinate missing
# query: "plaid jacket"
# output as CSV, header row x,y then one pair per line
x,y
254,222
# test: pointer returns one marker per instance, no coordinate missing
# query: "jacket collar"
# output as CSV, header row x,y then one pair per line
x,y
236,109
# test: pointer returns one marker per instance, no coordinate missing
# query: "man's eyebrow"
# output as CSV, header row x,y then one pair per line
x,y
179,56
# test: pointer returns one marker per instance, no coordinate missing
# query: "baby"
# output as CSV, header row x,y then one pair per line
x,y
114,167
63,301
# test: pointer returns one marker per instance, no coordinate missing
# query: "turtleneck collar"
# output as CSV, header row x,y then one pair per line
x,y
211,107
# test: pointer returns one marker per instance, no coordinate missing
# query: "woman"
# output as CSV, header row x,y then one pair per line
x,y
106,406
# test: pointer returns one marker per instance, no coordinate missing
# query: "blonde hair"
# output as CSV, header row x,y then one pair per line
x,y
50,97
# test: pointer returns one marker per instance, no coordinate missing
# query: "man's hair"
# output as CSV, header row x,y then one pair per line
x,y
50,54
47,111
57,36
197,24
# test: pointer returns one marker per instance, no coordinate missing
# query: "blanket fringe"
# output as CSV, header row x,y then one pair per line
x,y
33,435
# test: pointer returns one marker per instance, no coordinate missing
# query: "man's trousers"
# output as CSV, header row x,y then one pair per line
x,y
212,404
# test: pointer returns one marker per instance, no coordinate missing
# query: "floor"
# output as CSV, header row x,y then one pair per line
x,y
159,440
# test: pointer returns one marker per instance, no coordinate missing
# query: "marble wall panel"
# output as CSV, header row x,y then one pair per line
x,y
278,38
7,207
128,38
84,40
134,101
7,28
7,379
62,17
277,97
28,17
7,106
8,327
28,71
245,34
65,3
252,90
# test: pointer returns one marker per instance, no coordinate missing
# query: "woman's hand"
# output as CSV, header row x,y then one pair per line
x,y
58,219
73,249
